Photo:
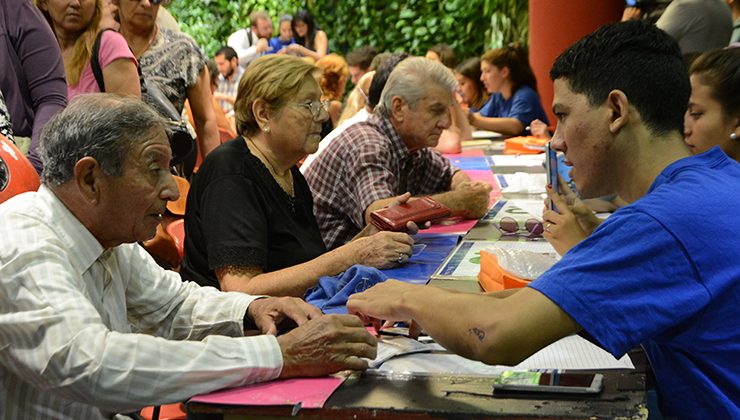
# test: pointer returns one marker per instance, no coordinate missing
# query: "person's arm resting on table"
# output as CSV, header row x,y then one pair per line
x,y
243,273
380,250
503,125
492,329
466,198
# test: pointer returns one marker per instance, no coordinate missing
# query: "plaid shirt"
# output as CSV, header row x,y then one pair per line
x,y
366,163
229,87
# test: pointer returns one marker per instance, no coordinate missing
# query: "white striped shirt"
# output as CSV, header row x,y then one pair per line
x,y
67,311
229,87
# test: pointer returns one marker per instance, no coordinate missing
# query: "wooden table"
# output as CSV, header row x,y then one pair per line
x,y
461,397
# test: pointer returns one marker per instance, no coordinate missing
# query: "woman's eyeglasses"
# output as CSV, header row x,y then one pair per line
x,y
315,107
510,226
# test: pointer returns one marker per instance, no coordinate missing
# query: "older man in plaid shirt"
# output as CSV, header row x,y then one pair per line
x,y
371,163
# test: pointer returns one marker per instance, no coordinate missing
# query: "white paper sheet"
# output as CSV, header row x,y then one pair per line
x,y
518,160
485,134
573,352
522,182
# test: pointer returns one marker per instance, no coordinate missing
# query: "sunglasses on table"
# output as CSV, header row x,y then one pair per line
x,y
510,227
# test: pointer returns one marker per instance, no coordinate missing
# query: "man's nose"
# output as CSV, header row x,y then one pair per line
x,y
170,192
557,141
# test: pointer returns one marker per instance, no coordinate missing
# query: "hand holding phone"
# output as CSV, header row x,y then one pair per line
x,y
551,169
549,381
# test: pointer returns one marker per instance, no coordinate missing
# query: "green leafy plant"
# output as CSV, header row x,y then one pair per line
x,y
468,26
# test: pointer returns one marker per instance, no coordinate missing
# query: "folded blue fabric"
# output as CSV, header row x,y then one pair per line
x,y
332,292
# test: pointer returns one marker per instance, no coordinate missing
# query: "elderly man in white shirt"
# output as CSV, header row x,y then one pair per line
x,y
91,326
252,42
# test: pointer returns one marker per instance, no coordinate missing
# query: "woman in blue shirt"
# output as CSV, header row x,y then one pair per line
x,y
514,102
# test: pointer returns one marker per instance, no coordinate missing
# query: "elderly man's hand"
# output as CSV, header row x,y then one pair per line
x,y
473,199
326,345
268,314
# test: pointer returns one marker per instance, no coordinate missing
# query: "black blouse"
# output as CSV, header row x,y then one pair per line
x,y
238,215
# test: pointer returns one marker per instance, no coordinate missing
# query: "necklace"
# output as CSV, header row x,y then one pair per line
x,y
140,50
286,183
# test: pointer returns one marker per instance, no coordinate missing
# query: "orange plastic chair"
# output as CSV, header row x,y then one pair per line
x,y
17,175
176,230
163,247
225,135
166,412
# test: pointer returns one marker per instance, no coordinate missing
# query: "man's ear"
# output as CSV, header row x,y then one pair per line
x,y
261,111
619,107
88,177
397,111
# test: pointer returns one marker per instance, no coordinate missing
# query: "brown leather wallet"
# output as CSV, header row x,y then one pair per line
x,y
418,211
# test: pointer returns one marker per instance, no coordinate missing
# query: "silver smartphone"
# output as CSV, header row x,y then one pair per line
x,y
549,381
551,169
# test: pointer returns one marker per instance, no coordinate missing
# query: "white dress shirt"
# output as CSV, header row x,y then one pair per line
x,y
67,311
244,42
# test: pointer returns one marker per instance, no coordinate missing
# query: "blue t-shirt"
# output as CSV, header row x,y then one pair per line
x,y
524,105
277,44
664,272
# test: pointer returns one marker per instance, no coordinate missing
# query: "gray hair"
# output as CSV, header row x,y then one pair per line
x,y
102,126
410,80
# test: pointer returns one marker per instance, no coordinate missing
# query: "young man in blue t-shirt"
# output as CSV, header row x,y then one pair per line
x,y
661,272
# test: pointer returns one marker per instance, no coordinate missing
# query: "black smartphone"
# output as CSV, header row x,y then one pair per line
x,y
549,381
551,169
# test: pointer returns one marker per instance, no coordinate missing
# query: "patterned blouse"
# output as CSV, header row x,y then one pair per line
x,y
173,62
6,128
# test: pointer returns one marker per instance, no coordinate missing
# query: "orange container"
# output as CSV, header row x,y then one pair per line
x,y
524,145
493,278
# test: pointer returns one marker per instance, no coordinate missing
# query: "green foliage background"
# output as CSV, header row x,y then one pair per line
x,y
468,26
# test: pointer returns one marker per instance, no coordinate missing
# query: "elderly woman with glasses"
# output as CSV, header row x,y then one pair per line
x,y
249,221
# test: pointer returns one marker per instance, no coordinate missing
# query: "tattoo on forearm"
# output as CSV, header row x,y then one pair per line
x,y
478,333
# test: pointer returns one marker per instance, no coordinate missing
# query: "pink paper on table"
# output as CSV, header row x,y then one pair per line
x,y
464,153
452,226
464,225
308,392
